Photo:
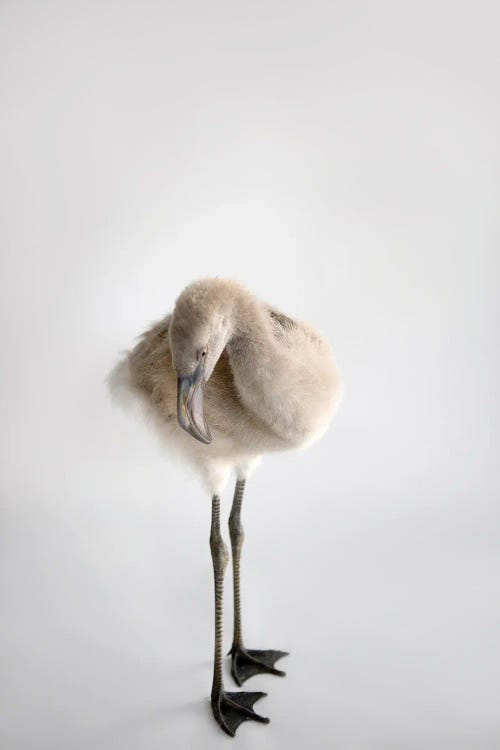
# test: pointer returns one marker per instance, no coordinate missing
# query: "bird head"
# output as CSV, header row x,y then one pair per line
x,y
199,331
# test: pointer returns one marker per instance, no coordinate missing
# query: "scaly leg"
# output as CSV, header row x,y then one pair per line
x,y
245,663
230,709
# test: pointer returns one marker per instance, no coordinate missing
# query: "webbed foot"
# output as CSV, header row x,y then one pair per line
x,y
246,663
232,709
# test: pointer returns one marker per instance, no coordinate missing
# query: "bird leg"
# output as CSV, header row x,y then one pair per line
x,y
230,709
245,663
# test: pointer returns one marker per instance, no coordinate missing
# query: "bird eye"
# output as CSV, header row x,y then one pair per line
x,y
203,353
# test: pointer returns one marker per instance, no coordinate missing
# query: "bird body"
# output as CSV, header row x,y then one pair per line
x,y
226,378
272,381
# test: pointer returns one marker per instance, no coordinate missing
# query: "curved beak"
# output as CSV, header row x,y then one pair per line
x,y
190,405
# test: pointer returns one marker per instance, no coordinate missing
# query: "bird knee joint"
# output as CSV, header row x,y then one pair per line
x,y
236,531
219,551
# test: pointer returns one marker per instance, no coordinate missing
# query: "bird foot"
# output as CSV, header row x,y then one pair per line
x,y
232,709
246,663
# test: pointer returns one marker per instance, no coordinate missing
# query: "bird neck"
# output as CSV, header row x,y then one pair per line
x,y
288,383
251,341
260,365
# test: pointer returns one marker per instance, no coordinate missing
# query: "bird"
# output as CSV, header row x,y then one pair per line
x,y
225,379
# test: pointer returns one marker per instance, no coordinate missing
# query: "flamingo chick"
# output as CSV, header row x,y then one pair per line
x,y
226,379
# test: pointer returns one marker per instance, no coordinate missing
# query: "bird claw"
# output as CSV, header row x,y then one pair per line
x,y
246,663
232,709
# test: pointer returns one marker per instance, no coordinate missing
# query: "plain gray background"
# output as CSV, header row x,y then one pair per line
x,y
341,159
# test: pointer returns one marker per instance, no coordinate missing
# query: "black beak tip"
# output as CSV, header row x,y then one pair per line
x,y
192,430
190,407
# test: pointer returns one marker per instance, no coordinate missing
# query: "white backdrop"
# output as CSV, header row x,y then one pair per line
x,y
342,160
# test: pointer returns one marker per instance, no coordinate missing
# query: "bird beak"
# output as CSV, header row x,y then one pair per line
x,y
190,405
